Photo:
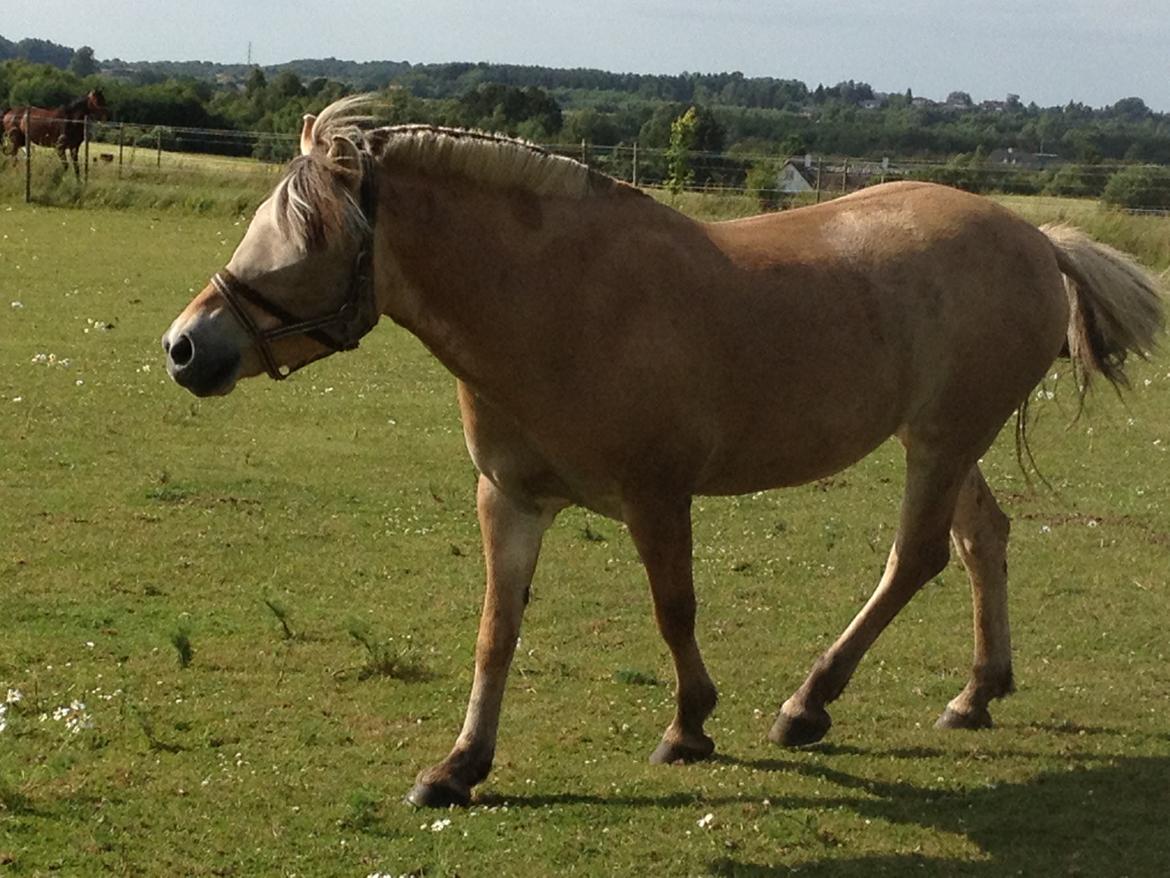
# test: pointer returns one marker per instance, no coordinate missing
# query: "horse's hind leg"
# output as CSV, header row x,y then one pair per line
x,y
980,535
920,552
661,530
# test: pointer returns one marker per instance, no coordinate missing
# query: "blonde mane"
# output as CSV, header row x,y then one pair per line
x,y
491,159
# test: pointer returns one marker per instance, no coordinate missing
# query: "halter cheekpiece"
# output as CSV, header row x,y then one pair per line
x,y
340,330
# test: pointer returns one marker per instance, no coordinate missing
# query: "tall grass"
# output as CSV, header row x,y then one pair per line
x,y
193,185
1146,236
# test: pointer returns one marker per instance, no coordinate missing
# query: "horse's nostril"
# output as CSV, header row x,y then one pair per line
x,y
182,351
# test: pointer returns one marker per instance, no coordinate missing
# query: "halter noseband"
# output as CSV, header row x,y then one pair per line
x,y
339,331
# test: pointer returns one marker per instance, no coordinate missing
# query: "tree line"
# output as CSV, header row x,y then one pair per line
x,y
735,115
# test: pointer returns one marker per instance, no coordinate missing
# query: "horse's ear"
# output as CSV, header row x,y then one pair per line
x,y
344,152
307,134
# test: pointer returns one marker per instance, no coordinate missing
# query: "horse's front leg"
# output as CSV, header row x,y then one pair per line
x,y
512,531
661,530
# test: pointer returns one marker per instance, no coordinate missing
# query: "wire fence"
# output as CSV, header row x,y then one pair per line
x,y
176,154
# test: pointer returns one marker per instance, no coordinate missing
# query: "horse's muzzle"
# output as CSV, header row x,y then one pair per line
x,y
205,365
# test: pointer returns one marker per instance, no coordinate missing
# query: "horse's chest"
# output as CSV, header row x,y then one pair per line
x,y
511,460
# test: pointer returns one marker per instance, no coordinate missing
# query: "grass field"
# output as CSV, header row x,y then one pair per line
x,y
231,631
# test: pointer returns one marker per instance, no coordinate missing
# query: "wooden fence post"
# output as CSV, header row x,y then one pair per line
x,y
820,162
86,143
158,161
27,156
635,163
121,144
845,177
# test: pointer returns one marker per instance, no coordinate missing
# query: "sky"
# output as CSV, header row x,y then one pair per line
x,y
1045,51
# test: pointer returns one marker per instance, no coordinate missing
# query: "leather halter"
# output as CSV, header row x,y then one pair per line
x,y
339,330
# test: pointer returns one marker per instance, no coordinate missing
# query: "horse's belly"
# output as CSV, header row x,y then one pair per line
x,y
782,460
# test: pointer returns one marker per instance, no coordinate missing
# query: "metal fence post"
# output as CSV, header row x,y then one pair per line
x,y
28,155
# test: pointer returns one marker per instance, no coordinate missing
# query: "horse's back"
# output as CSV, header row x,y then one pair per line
x,y
907,308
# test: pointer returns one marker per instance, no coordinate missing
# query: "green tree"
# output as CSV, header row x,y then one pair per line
x,y
82,63
1132,109
288,85
591,126
257,82
679,173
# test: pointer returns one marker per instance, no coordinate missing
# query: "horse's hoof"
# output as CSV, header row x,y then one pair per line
x,y
439,794
799,730
693,749
953,719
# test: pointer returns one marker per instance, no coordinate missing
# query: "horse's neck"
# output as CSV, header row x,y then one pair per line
x,y
75,109
483,275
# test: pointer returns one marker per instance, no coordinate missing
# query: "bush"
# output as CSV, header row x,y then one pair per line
x,y
763,184
1076,181
1139,187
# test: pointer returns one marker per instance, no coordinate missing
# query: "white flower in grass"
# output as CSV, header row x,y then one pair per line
x,y
74,716
706,820
440,824
3,717
14,695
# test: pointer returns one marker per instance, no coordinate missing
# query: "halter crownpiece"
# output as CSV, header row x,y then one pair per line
x,y
340,330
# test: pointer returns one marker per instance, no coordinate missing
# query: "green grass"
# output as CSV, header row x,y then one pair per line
x,y
342,501
182,183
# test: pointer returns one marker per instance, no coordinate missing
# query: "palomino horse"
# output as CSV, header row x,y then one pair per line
x,y
62,128
612,353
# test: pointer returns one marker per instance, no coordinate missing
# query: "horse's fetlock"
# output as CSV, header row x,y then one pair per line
x,y
828,679
706,698
991,682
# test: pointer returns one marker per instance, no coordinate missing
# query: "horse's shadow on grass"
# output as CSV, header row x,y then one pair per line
x,y
1100,817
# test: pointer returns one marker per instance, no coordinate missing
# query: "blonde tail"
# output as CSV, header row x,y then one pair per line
x,y
1115,305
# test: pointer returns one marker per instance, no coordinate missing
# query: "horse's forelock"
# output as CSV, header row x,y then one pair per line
x,y
312,204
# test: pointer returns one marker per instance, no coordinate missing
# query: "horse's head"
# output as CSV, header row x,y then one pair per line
x,y
95,105
299,286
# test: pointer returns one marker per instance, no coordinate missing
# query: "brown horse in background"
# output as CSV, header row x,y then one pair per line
x,y
62,128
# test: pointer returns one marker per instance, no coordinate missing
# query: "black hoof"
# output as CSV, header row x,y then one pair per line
x,y
801,730
693,749
434,794
952,719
